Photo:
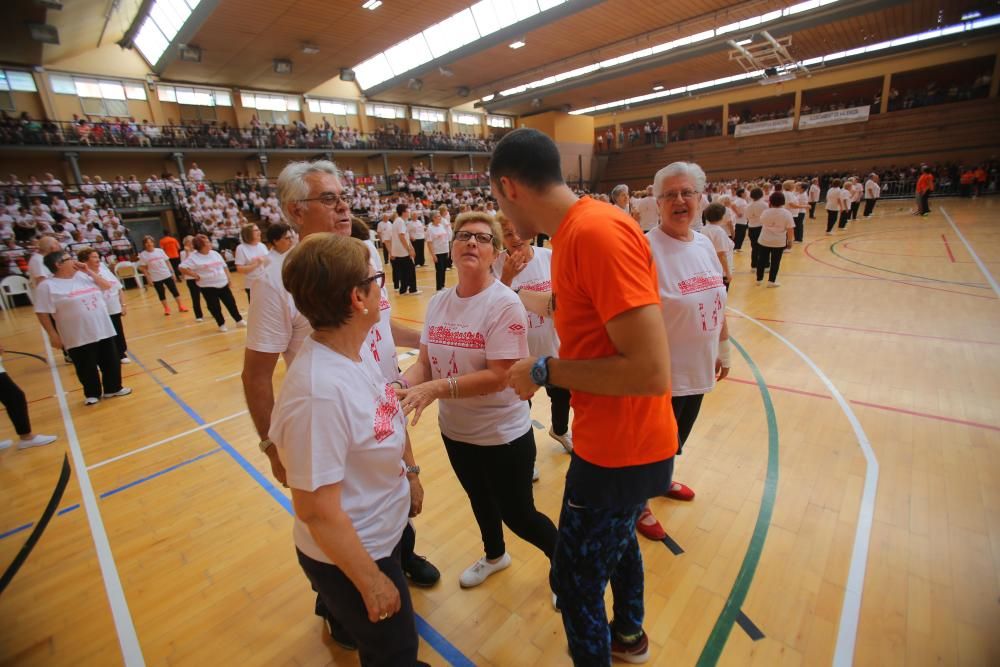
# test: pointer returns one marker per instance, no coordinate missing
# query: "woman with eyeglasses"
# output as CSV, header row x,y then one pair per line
x,y
341,438
281,238
114,297
74,298
210,272
473,333
693,292
251,256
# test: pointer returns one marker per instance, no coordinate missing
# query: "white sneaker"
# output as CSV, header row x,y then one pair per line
x,y
566,440
774,284
37,441
90,400
223,328
477,573
534,474
4,444
758,283
241,323
199,319
124,391
126,360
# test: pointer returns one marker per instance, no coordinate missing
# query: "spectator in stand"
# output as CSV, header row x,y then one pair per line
x,y
14,401
195,174
172,249
72,301
155,266
251,256
212,275
872,192
114,297
925,186
776,236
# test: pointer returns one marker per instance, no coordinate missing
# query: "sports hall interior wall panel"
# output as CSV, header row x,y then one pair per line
x,y
30,103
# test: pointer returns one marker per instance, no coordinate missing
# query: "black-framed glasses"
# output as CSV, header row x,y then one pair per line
x,y
376,278
684,194
328,199
481,237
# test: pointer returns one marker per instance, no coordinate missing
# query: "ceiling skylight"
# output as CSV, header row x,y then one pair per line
x,y
161,25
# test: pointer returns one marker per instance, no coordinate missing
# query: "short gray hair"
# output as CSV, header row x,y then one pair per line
x,y
618,189
292,184
689,169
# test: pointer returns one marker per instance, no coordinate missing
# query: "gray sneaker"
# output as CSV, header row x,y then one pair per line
x,y
566,440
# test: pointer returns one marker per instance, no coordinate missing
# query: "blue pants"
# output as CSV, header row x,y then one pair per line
x,y
597,546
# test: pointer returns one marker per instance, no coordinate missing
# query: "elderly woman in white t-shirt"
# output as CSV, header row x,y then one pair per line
x,y
74,298
473,333
693,293
155,264
210,272
341,437
113,297
251,256
776,233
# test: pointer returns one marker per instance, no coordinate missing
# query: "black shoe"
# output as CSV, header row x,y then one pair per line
x,y
340,635
420,572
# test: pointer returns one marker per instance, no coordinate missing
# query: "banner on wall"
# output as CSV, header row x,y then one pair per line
x,y
765,127
838,117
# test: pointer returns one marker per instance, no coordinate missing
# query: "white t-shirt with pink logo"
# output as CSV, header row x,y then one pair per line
x,y
380,341
211,268
461,334
336,420
694,304
536,277
439,237
79,308
157,263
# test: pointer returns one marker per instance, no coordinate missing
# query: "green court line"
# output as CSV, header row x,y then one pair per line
x,y
741,586
833,249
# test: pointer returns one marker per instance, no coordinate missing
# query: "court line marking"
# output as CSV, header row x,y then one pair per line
x,y
434,639
158,443
733,607
208,335
164,331
947,247
232,375
975,256
835,244
128,640
847,632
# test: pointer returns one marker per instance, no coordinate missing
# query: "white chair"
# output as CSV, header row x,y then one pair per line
x,y
126,270
11,286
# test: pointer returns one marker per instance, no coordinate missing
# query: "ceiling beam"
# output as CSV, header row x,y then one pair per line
x,y
789,24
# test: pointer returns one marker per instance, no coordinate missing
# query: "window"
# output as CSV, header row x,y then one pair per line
x,y
269,102
100,97
388,111
104,89
427,115
192,96
332,107
197,113
272,117
500,121
466,118
17,80
161,25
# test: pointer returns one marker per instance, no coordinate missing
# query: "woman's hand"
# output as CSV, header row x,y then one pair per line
x,y
416,495
720,371
513,264
381,598
418,397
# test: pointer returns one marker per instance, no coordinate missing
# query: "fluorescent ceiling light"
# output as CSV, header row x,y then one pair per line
x,y
516,45
968,16
372,4
487,98
744,42
657,87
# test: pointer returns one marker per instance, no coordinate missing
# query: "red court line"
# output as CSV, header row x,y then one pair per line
x,y
882,252
875,331
948,248
877,406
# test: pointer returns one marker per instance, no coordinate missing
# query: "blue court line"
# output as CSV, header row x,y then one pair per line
x,y
435,639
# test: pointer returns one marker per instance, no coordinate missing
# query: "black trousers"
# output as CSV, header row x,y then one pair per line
x,y
440,269
120,341
831,220
176,263
754,233
925,204
686,409
418,251
98,367
497,480
800,220
405,272
741,233
845,217
559,398
385,643
774,256
216,295
195,297
855,205
14,401
812,210
161,287
869,206
385,251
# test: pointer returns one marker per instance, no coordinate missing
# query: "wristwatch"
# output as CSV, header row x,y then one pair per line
x,y
265,444
412,470
540,371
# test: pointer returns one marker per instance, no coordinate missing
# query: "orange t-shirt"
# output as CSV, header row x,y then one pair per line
x,y
602,266
171,247
925,183
980,175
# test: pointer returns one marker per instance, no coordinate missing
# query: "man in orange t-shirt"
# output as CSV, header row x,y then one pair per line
x,y
925,186
614,359
172,249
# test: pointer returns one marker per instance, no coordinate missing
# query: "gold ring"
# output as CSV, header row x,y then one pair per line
x,y
383,616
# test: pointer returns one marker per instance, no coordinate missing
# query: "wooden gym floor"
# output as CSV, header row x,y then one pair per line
x,y
804,541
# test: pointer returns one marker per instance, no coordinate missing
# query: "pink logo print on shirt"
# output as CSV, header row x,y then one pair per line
x,y
516,329
385,411
444,335
700,283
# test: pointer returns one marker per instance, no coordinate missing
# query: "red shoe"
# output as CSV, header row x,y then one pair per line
x,y
649,527
166,311
679,492
182,309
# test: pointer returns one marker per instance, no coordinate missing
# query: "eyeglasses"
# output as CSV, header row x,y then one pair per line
x,y
328,199
481,237
684,194
378,277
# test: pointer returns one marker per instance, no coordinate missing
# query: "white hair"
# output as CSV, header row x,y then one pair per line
x,y
689,169
292,184
618,189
